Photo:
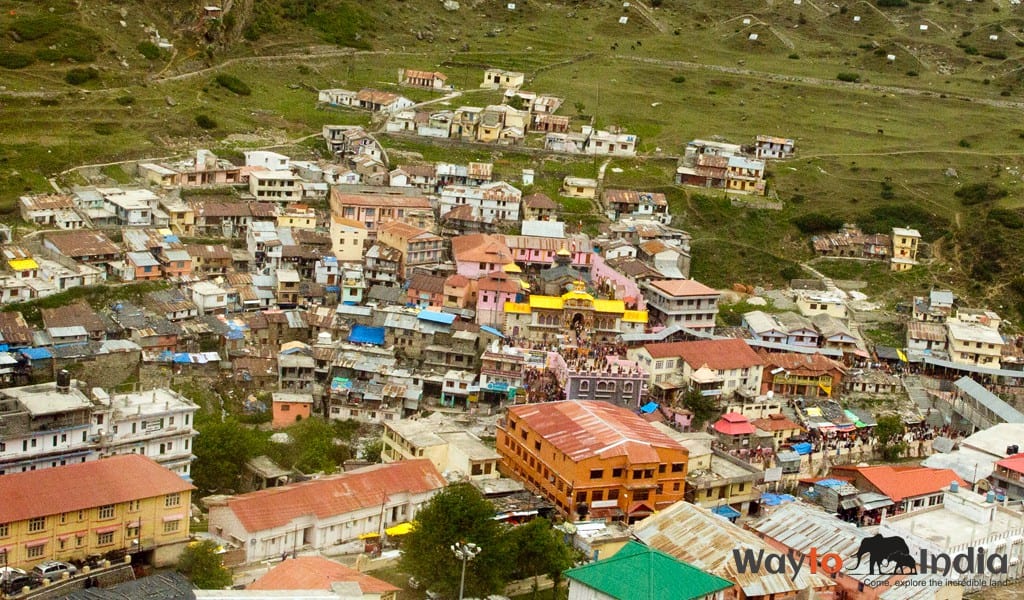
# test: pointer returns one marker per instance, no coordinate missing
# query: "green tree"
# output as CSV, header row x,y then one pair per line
x,y
537,550
313,447
457,514
203,566
372,450
703,407
889,432
222,450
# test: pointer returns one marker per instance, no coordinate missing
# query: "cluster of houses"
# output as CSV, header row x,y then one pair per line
x,y
731,167
901,248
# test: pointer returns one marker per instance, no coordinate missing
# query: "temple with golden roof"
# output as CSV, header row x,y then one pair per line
x,y
575,318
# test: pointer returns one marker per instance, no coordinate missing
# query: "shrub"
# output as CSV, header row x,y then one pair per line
x,y
125,100
80,76
912,73
976,193
995,54
794,56
34,28
103,128
149,50
817,223
848,77
678,79
15,60
891,3
964,144
233,84
1009,219
205,122
971,50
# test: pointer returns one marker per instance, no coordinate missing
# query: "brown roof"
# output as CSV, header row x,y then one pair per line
x,y
96,483
584,429
218,208
400,229
718,355
460,213
540,202
263,209
498,282
425,171
776,422
14,329
798,363
683,287
481,247
457,281
379,200
633,197
633,268
209,251
81,243
317,573
70,315
412,73
334,495
375,96
424,282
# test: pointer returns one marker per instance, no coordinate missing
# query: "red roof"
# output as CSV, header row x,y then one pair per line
x,y
798,363
317,573
335,495
96,483
718,355
1013,463
683,287
909,482
734,424
583,429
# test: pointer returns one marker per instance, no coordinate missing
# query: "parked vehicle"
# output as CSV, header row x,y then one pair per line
x,y
15,583
54,569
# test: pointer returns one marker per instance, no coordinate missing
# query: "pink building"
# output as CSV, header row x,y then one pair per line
x,y
478,254
625,287
493,291
375,209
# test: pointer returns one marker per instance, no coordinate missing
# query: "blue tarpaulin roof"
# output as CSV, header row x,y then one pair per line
x,y
726,511
776,499
802,448
491,330
36,353
649,407
363,334
437,317
333,289
830,483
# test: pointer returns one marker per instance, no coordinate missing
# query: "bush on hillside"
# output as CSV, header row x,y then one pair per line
x,y
1009,219
848,77
206,122
976,193
149,50
80,76
34,28
817,223
15,60
233,84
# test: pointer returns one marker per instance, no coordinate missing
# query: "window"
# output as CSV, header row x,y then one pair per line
x,y
36,524
79,541
133,506
581,496
171,526
617,472
613,494
638,474
63,518
597,495
172,500
675,487
35,551
641,495
105,512
104,539
286,407
677,467
661,468
5,530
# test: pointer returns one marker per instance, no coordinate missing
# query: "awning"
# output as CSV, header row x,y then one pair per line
x,y
400,529
726,511
849,503
649,407
35,543
111,528
368,536
174,517
639,508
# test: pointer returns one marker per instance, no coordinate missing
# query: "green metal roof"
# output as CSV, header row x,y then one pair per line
x,y
637,572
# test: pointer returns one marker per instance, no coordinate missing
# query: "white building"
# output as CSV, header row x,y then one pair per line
x,y
446,444
494,201
974,344
157,423
275,186
271,161
209,297
821,303
323,513
133,208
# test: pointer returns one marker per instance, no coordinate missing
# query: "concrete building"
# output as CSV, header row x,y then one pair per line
x,y
576,314
348,239
418,247
905,244
322,513
279,187
974,344
616,379
453,450
71,512
157,423
683,302
592,458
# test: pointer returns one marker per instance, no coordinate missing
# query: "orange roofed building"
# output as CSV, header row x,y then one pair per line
x,y
911,488
321,513
68,513
593,458
304,573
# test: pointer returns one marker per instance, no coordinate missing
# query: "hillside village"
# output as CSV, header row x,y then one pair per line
x,y
477,338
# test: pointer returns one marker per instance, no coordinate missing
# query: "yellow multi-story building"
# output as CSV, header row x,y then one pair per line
x,y
126,502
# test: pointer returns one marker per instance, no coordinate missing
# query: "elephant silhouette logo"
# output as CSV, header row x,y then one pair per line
x,y
884,549
902,564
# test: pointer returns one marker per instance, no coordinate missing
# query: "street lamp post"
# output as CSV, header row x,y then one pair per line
x,y
465,552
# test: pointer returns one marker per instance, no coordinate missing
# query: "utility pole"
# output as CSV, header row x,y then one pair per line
x,y
465,552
